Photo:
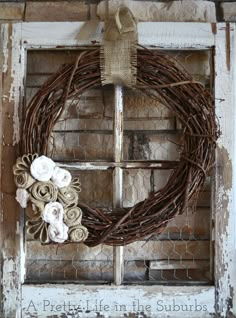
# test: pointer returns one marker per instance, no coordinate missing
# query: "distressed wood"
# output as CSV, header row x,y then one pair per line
x,y
118,177
65,270
120,301
11,11
173,36
176,11
10,220
229,11
225,208
141,250
185,275
56,11
3,66
187,35
98,165
157,265
102,185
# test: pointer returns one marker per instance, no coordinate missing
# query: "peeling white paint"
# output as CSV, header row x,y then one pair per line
x,y
18,228
161,34
10,286
116,301
4,39
2,214
83,166
225,173
16,89
173,35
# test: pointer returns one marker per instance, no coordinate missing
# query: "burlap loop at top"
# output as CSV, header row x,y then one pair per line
x,y
119,50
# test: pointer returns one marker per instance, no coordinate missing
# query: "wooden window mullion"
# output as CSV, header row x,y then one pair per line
x,y
118,177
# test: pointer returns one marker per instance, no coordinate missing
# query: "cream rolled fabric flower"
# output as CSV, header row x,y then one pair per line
x,y
68,197
58,232
32,211
61,177
73,216
42,168
24,180
53,212
38,229
23,163
22,197
37,206
78,233
75,184
44,191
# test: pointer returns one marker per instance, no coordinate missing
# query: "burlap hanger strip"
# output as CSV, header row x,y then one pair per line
x,y
119,50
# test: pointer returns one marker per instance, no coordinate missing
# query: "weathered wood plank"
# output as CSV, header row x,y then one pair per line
x,y
157,11
225,187
96,187
88,147
11,11
178,275
105,165
187,35
56,11
152,250
92,145
155,250
50,270
165,264
118,176
196,301
11,86
189,225
138,183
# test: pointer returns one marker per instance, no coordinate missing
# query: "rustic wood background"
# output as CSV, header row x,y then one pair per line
x,y
81,10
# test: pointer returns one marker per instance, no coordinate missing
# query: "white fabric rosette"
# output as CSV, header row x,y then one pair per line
x,y
22,197
58,232
42,168
61,177
53,212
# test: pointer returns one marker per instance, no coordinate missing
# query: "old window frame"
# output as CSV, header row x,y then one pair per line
x,y
17,38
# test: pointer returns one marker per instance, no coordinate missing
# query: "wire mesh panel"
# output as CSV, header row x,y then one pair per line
x,y
85,133
182,252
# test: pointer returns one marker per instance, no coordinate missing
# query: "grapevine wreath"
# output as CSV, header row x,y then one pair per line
x,y
55,212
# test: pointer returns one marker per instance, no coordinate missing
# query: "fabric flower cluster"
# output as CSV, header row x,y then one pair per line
x,y
54,198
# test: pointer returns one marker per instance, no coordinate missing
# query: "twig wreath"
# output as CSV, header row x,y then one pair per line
x,y
159,76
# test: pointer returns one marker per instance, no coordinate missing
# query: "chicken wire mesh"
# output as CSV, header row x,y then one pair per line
x,y
182,253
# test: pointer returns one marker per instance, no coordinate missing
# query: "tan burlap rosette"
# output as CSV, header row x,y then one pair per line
x,y
50,197
118,54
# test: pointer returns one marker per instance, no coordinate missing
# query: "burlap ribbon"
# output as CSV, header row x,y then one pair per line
x,y
119,51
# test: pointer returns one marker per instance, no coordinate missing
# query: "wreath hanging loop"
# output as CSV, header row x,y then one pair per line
x,y
162,78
